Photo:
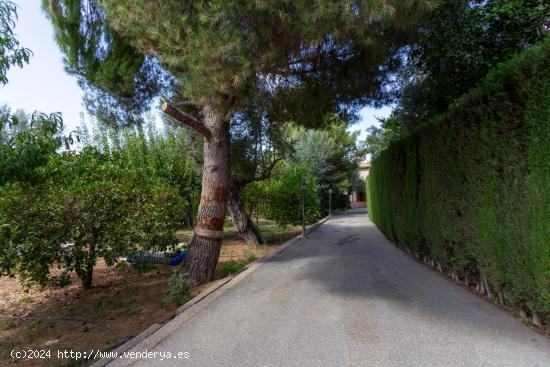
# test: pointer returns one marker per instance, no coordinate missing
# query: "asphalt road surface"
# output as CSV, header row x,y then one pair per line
x,y
346,296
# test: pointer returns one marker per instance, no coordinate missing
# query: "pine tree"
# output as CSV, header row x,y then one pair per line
x,y
307,58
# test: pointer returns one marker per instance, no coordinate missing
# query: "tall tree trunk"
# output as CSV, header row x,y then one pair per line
x,y
189,214
204,248
87,280
244,225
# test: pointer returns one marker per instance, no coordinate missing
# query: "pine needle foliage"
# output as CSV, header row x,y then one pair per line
x,y
119,82
227,52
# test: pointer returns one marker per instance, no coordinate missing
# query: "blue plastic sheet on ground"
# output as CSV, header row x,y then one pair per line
x,y
156,257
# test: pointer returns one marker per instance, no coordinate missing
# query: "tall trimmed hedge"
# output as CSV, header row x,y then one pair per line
x,y
471,189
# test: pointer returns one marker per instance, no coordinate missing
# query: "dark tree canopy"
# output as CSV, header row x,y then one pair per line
x,y
313,55
256,146
456,47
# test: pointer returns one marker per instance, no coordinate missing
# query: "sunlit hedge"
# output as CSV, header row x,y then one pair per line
x,y
471,190
280,198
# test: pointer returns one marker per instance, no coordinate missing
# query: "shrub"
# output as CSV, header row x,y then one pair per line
x,y
249,254
178,290
281,196
67,209
472,188
165,155
25,151
143,266
91,208
232,266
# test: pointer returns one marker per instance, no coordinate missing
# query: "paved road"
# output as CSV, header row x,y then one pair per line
x,y
346,296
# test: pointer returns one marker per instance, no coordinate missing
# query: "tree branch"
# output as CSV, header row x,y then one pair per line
x,y
184,103
267,171
186,119
266,174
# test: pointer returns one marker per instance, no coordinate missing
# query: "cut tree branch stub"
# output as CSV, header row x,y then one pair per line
x,y
186,120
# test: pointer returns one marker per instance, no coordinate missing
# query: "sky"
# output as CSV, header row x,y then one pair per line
x,y
44,85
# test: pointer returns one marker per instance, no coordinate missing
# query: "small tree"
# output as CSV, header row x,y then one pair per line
x,y
161,154
112,210
24,156
281,196
24,152
89,208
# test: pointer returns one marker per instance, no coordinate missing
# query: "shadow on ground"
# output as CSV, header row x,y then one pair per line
x,y
351,258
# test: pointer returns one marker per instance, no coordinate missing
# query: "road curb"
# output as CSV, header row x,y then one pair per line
x,y
158,332
249,268
128,345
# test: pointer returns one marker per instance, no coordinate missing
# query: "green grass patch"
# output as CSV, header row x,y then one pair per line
x,y
232,266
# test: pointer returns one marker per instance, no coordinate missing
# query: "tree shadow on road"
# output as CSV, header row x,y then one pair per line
x,y
352,260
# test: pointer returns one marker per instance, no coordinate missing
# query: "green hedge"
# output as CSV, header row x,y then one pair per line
x,y
280,197
471,189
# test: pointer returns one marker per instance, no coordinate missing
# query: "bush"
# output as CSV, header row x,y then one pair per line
x,y
93,209
281,197
66,210
25,150
143,266
472,188
165,155
232,266
122,192
249,254
178,290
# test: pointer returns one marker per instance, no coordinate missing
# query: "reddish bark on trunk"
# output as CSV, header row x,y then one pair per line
x,y
204,248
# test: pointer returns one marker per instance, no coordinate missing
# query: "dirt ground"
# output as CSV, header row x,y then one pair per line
x,y
122,303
